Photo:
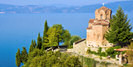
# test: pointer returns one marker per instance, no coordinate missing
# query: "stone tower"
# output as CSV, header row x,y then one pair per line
x,y
97,27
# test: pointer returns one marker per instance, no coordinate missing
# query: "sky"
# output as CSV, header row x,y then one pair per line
x,y
57,2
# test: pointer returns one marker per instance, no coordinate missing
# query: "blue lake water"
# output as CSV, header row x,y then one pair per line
x,y
17,30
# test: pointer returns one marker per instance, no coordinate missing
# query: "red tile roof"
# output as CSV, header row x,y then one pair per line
x,y
89,27
122,49
104,8
91,20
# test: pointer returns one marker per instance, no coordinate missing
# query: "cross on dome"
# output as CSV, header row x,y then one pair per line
x,y
103,4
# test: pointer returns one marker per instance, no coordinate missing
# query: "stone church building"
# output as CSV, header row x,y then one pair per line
x,y
96,30
97,27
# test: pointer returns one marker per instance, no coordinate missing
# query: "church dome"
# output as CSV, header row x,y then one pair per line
x,y
103,13
104,8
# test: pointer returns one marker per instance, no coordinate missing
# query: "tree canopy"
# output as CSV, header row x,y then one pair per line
x,y
66,37
45,32
39,41
120,29
18,58
57,34
24,55
31,46
38,57
34,44
74,39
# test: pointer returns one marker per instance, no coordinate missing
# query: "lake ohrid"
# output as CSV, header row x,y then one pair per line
x,y
17,30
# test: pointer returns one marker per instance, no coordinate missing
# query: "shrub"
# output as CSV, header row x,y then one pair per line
x,y
110,51
103,54
88,50
99,50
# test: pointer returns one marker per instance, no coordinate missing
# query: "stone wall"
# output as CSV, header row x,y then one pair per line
x,y
80,48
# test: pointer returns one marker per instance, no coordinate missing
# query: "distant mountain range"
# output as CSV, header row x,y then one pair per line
x,y
4,8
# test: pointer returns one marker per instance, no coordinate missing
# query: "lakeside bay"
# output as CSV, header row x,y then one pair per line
x,y
17,30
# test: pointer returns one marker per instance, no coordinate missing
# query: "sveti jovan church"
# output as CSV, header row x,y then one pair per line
x,y
95,33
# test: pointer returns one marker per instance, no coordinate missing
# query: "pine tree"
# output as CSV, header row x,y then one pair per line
x,y
120,28
18,58
31,46
24,55
45,32
39,41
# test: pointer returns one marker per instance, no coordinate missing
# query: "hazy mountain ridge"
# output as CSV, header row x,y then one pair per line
x,y
4,8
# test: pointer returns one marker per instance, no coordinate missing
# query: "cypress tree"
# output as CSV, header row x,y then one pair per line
x,y
45,32
120,29
31,46
39,41
34,43
18,58
24,55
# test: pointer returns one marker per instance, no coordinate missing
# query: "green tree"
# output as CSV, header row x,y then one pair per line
x,y
31,46
90,62
72,62
55,35
24,55
66,37
99,50
45,36
110,51
45,32
35,52
120,28
34,44
40,58
74,39
18,58
39,41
